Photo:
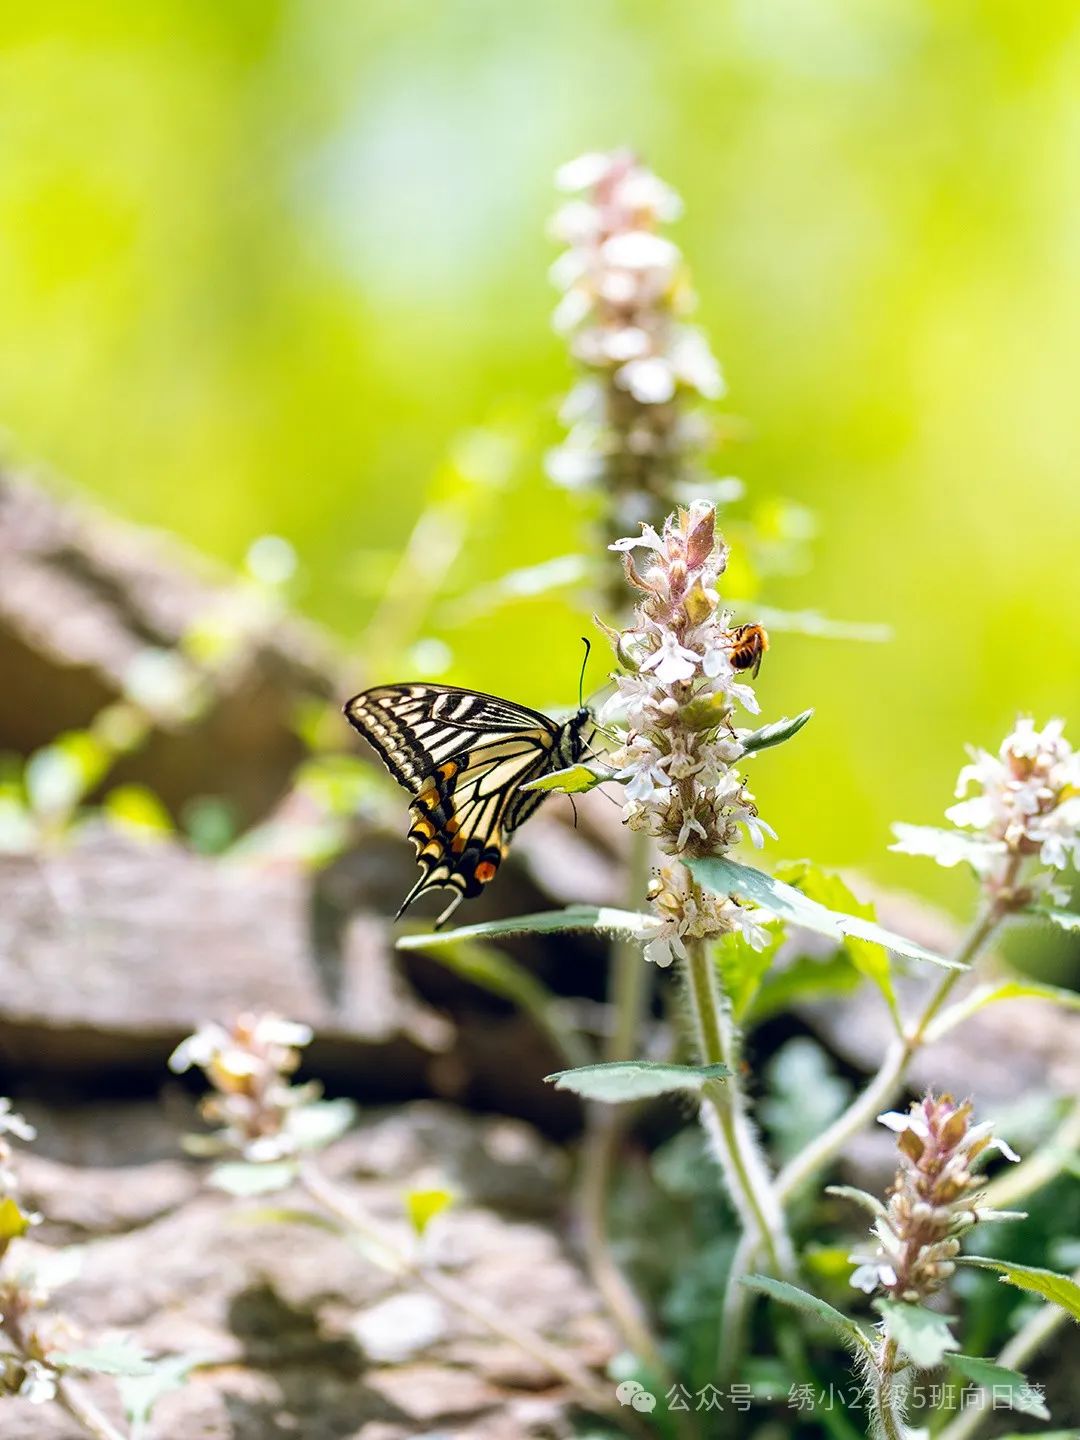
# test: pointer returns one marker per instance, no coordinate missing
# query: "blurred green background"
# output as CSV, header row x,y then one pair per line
x,y
264,265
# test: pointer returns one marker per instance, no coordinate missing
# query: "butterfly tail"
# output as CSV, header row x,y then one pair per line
x,y
419,888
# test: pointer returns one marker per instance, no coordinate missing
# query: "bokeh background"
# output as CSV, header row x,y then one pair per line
x,y
272,267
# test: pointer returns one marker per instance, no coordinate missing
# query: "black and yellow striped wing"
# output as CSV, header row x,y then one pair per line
x,y
463,756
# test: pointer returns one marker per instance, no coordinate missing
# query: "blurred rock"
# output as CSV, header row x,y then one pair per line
x,y
85,600
302,1336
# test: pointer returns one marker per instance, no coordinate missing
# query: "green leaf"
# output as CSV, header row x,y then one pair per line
x,y
618,1080
572,781
726,877
774,734
501,975
575,918
807,977
140,1393
1066,919
137,809
288,1215
869,959
742,968
320,1123
1007,1385
849,1330
1060,1290
121,1358
985,995
242,1178
423,1206
859,1197
923,1335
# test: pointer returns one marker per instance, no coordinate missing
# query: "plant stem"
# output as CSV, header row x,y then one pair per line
x,y
885,1085
863,1110
85,1412
886,1418
724,1117
499,1321
1027,1342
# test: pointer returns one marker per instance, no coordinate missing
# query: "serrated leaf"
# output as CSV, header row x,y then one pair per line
x,y
574,919
726,877
618,1080
1060,1290
241,1178
849,1330
121,1358
1064,919
859,1197
1007,1385
422,1206
829,890
923,1335
774,734
574,780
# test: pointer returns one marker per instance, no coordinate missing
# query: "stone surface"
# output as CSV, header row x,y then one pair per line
x,y
280,1311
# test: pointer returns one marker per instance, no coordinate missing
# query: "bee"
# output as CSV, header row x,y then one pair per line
x,y
749,643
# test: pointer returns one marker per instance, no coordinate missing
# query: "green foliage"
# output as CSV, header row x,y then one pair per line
x,y
574,780
726,877
848,1330
119,1358
775,734
617,1081
742,968
1061,1290
601,920
923,1335
141,1392
244,1179
1005,1384
423,1206
805,1094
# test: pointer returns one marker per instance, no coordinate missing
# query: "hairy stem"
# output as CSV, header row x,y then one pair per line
x,y
886,1406
83,1410
724,1115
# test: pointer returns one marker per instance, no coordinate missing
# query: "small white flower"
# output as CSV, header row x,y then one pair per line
x,y
672,662
39,1383
573,468
199,1049
639,250
651,380
584,172
571,310
643,191
12,1123
694,363
627,342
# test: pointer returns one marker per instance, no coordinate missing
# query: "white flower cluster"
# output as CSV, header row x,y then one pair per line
x,y
1029,795
11,1123
931,1202
248,1065
676,699
624,293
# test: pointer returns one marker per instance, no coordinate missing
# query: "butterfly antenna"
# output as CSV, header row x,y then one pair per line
x,y
581,678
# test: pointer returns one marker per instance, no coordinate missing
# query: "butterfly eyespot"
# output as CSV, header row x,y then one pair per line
x,y
485,871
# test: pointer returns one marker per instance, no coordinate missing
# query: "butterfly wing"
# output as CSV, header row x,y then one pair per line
x,y
464,757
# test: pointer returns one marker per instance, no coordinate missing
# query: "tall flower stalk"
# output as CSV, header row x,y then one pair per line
x,y
636,443
932,1204
676,698
638,433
